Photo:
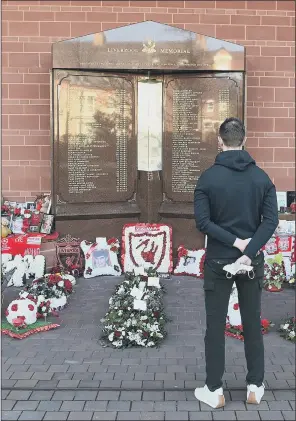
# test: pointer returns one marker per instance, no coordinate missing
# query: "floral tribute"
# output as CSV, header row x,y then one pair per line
x,y
234,326
288,329
136,316
190,262
101,257
274,273
147,245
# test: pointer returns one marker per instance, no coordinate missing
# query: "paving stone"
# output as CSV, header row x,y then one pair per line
x,y
63,395
175,396
22,375
4,393
188,406
47,384
39,367
103,376
111,395
95,406
142,406
153,396
25,384
41,395
64,384
292,403
26,405
238,395
107,416
115,384
153,416
146,376
224,415
131,396
72,406
39,375
128,416
10,415
261,407
156,384
58,416
95,384
32,415
279,406
178,416
284,395
289,415
51,406
118,406
8,383
7,405
247,415
135,384
58,368
84,376
85,395
80,416
19,395
200,416
271,415
236,406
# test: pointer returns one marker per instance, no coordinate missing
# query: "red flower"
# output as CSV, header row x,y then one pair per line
x,y
235,306
182,252
17,211
32,298
18,322
39,316
112,240
6,313
14,307
68,285
145,334
265,323
54,279
156,314
117,333
31,307
113,248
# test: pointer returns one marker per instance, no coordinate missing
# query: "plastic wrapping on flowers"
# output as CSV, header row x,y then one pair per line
x,y
123,325
288,329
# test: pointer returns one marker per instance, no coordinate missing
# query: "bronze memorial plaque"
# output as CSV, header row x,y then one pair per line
x,y
194,108
95,140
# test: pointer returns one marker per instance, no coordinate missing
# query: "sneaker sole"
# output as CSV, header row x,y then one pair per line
x,y
252,399
221,402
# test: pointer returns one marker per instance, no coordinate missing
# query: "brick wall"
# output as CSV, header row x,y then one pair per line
x,y
29,28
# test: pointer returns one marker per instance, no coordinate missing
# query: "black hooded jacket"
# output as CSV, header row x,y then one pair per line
x,y
235,199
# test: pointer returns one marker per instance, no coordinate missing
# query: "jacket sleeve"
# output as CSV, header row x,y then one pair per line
x,y
203,216
268,224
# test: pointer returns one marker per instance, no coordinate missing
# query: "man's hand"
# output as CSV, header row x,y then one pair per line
x,y
244,260
241,244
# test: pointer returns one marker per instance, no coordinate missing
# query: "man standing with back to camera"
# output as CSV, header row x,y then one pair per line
x,y
235,205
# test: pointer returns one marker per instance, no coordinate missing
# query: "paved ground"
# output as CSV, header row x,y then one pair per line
x,y
68,374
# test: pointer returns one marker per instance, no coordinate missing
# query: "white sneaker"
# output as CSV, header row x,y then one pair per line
x,y
214,399
255,393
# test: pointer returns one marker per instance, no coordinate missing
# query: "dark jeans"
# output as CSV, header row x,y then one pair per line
x,y
217,293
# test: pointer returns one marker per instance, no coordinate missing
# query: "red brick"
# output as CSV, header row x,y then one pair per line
x,y
261,154
33,171
159,17
186,18
12,140
5,181
24,152
284,125
209,30
44,122
215,19
45,152
275,20
4,90
284,95
260,94
44,92
39,47
114,3
12,109
11,78
130,17
275,51
275,172
39,16
19,184
274,81
24,122
200,4
284,33
24,28
287,64
273,112
37,140
4,121
13,170
292,143
252,81
260,63
70,16
23,59
230,32
292,112
11,15
261,5
231,5
55,29
273,142
292,82
173,3
260,32
5,153
37,109
284,155
286,5
21,91
104,17
260,125
252,112
245,20
83,28
142,3
37,78
45,60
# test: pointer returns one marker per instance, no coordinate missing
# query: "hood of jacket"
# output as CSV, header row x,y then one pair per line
x,y
237,160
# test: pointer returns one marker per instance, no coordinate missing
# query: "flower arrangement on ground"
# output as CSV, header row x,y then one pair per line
x,y
288,329
237,332
274,274
136,315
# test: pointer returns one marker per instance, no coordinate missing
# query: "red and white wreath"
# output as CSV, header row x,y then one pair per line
x,y
21,313
190,262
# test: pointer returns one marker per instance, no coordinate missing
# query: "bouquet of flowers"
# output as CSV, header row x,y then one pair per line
x,y
274,273
288,329
238,332
136,316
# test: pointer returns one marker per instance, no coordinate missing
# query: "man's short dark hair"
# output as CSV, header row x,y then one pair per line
x,y
232,132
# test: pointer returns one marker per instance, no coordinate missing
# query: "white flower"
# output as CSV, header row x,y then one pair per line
x,y
121,290
118,344
144,317
286,326
120,313
150,343
61,283
111,301
292,334
134,322
123,333
54,288
24,294
111,336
